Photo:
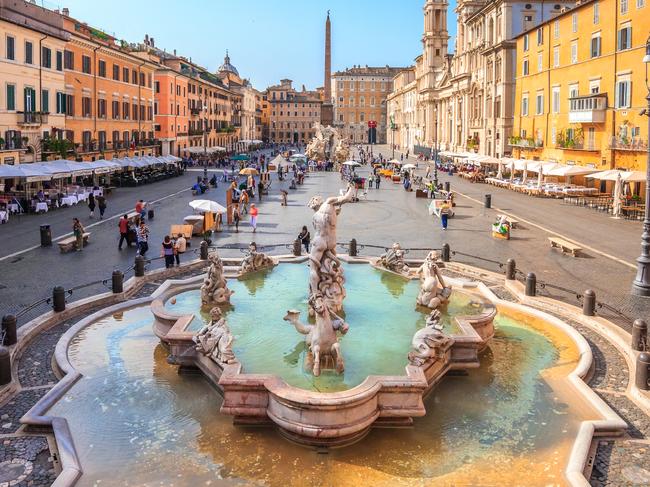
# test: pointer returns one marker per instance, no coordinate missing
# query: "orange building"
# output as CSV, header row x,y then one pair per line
x,y
109,95
171,111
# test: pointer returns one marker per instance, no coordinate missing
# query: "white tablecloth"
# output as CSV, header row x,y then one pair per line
x,y
13,207
69,200
98,192
4,216
82,197
41,207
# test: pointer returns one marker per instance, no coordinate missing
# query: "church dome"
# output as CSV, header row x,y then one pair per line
x,y
227,67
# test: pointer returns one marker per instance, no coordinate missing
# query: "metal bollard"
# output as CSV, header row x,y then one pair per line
x,y
643,371
589,303
139,266
204,250
352,251
511,269
447,186
9,329
531,284
46,236
58,299
487,201
639,335
5,366
117,284
297,247
446,253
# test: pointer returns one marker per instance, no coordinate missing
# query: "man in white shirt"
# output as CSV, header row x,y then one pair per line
x,y
180,247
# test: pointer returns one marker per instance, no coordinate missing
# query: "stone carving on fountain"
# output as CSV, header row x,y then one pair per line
x,y
393,260
255,261
215,339
215,288
342,151
324,144
429,343
433,291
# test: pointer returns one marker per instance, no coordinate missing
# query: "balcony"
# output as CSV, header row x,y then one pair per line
x,y
147,143
588,109
528,144
631,144
581,146
32,118
195,111
195,132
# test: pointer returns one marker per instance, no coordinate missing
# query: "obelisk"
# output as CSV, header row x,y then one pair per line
x,y
327,111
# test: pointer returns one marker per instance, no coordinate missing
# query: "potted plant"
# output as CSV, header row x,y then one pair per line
x,y
2,143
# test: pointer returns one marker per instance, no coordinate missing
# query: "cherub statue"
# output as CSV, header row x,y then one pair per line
x,y
393,260
255,261
433,291
215,339
215,288
429,343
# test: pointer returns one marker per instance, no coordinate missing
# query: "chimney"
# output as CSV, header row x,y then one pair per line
x,y
174,52
66,12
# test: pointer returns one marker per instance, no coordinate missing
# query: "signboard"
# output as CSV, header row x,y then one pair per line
x,y
372,124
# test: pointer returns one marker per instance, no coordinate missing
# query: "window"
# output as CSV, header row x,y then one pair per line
x,y
625,38
553,135
101,68
116,72
596,13
10,53
574,22
29,53
68,59
69,107
134,77
623,93
101,108
126,110
640,3
524,105
125,75
595,46
594,87
525,42
11,97
59,61
524,67
86,107
60,102
624,7
556,57
85,64
46,57
540,62
539,104
556,29
540,36
574,52
45,101
30,99
556,100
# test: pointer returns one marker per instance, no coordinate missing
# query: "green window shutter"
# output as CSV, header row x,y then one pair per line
x,y
11,97
45,101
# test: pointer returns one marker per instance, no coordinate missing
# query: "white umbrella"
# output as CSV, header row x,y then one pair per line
x,y
540,176
572,171
512,171
634,176
525,176
608,175
408,166
500,171
618,190
395,161
351,163
207,206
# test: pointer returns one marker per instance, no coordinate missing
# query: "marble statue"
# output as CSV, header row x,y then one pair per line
x,y
393,260
342,151
322,144
429,343
321,337
433,291
325,272
215,288
255,261
215,339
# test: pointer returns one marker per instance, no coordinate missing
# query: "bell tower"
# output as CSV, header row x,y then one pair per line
x,y
435,37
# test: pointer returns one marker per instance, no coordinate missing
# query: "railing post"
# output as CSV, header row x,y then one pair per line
x,y
589,303
639,336
511,269
643,371
9,327
352,251
297,250
138,268
447,186
531,284
117,284
204,250
487,201
446,253
5,366
58,299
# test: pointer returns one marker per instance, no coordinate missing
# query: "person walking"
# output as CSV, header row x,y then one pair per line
x,y
283,194
377,181
427,172
236,217
305,238
123,225
180,246
167,251
253,213
140,209
243,200
91,204
78,231
260,189
143,238
101,204
445,210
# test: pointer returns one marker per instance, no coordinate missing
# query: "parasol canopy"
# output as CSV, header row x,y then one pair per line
x,y
408,166
249,171
351,163
207,206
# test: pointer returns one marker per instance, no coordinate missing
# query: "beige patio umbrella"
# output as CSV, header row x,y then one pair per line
x,y
512,170
500,170
618,193
525,176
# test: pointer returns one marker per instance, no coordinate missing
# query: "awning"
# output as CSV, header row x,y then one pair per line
x,y
208,150
571,171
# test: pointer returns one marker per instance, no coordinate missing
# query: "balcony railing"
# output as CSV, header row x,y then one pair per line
x,y
633,144
526,143
32,118
578,146
588,109
195,132
195,111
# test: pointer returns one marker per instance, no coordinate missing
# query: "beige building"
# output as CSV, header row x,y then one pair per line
x,y
401,109
32,80
359,97
292,113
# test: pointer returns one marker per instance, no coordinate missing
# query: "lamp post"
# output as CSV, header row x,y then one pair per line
x,y
205,144
435,145
641,284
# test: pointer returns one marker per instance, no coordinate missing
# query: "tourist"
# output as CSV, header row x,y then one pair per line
x,y
428,171
167,251
180,246
371,179
142,233
101,204
253,214
260,189
236,217
123,225
377,181
283,195
78,231
140,208
305,238
91,204
243,201
445,210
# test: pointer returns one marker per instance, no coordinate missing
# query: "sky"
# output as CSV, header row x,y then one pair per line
x,y
267,39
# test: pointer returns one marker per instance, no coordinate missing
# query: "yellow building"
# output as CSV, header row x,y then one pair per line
x,y
580,87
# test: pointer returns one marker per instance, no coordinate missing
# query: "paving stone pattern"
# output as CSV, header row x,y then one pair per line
x,y
16,407
33,451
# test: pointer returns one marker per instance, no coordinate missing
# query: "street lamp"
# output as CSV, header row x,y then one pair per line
x,y
641,284
435,145
205,144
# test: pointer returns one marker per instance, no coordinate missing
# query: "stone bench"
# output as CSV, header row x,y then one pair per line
x,y
564,245
68,244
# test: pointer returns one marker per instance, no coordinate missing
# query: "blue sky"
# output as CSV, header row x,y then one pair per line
x,y
268,39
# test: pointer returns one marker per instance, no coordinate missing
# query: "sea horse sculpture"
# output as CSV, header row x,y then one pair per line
x,y
215,288
433,291
429,343
255,261
393,260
